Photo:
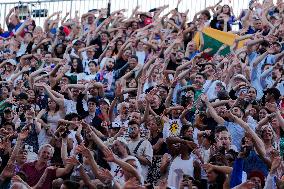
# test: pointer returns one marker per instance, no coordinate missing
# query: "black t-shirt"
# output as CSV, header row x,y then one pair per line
x,y
99,50
119,63
164,147
160,110
172,65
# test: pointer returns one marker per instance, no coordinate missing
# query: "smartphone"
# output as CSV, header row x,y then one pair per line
x,y
186,177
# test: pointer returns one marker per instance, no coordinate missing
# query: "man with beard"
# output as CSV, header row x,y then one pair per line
x,y
212,86
198,84
223,139
175,60
107,76
140,148
90,21
173,125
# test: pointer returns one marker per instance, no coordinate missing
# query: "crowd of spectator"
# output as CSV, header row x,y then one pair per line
x,y
101,100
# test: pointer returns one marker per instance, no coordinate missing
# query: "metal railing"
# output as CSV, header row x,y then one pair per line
x,y
42,8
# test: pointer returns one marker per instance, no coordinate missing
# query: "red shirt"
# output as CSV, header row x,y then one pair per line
x,y
33,175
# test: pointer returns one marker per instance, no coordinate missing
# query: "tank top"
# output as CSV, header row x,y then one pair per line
x,y
178,168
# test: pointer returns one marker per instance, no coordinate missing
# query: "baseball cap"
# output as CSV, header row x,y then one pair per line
x,y
240,76
104,100
11,61
114,125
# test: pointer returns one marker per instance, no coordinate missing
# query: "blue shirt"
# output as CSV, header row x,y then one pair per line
x,y
254,162
237,133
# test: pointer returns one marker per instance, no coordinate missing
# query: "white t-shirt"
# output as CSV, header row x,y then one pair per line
x,y
210,88
117,172
70,106
43,138
141,56
178,168
172,128
145,149
22,50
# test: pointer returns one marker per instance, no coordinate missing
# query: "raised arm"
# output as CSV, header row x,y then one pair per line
x,y
259,59
94,137
58,101
259,145
110,157
21,28
212,111
8,16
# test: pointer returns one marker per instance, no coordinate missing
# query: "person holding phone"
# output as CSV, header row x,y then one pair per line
x,y
183,163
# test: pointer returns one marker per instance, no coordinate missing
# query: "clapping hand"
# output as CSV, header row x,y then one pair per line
x,y
84,151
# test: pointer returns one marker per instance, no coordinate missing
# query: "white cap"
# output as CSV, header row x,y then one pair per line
x,y
105,100
12,61
241,76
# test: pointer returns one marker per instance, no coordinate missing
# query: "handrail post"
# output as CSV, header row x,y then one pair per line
x,y
71,1
5,12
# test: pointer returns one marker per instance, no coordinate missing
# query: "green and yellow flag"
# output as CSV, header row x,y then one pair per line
x,y
215,39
